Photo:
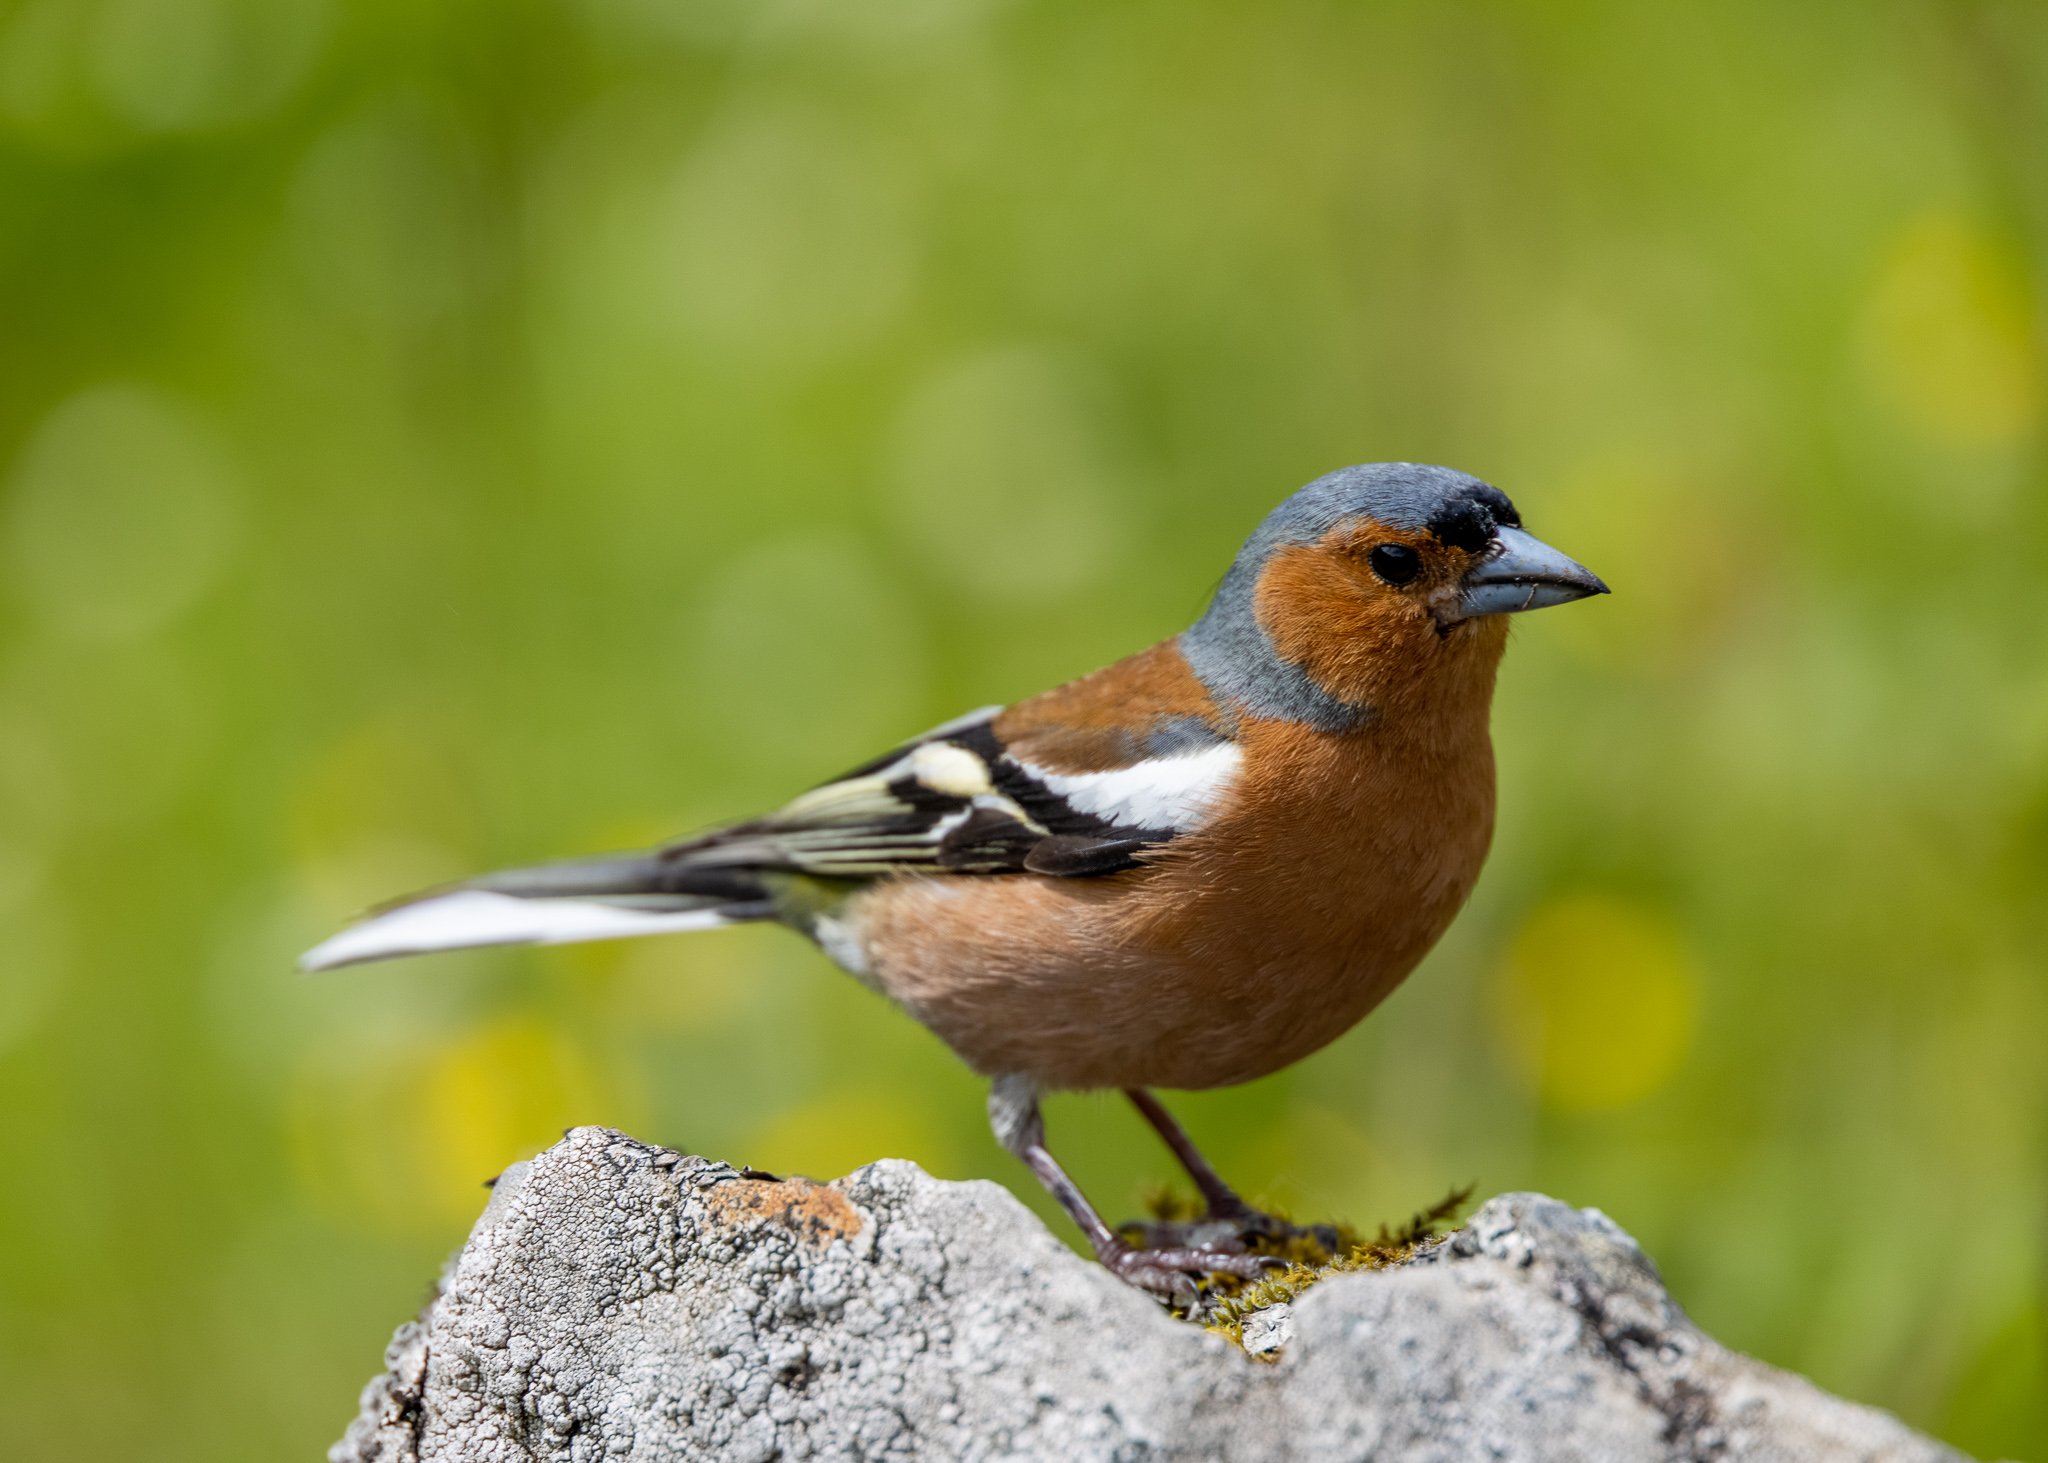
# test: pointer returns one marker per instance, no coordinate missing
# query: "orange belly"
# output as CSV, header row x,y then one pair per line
x,y
1240,949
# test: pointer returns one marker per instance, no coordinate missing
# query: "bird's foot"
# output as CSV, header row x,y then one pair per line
x,y
1270,1234
1175,1272
1241,1228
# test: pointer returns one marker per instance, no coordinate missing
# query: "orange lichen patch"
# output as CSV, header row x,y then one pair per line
x,y
1100,721
814,1213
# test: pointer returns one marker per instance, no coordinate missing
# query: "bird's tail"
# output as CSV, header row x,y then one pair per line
x,y
553,904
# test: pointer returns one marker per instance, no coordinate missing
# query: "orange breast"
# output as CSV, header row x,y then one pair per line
x,y
1334,866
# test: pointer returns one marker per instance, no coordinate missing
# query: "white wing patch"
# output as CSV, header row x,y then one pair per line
x,y
473,917
1176,793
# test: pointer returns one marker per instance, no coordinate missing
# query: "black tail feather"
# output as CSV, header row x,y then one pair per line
x,y
628,875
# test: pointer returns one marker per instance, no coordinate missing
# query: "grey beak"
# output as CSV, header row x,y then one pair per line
x,y
1524,573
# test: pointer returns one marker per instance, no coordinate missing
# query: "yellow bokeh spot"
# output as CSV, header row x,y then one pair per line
x,y
838,1132
693,985
1949,335
503,1092
404,1142
1596,1002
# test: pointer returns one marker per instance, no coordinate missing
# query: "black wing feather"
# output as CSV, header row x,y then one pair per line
x,y
950,802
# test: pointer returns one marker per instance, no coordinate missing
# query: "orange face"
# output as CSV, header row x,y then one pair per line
x,y
1411,566
1371,611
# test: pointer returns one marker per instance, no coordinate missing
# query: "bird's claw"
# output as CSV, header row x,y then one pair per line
x,y
1175,1272
1256,1224
1239,1229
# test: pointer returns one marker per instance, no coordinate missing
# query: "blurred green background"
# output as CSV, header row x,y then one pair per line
x,y
440,436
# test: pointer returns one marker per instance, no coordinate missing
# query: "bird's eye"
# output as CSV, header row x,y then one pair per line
x,y
1395,563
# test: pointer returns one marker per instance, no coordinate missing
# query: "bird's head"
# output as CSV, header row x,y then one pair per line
x,y
1370,584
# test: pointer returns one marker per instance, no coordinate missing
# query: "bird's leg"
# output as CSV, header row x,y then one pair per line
x,y
1020,1128
1224,1202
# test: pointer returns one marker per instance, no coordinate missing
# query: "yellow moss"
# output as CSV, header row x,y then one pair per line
x,y
1228,1302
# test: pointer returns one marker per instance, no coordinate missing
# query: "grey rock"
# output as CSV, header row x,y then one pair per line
x,y
1267,1331
621,1301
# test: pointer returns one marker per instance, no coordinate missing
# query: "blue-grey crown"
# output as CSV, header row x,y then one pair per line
x,y
1238,661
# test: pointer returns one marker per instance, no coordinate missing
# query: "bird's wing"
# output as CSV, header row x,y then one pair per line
x,y
1082,780
960,800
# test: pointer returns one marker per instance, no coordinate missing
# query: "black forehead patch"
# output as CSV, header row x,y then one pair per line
x,y
1467,520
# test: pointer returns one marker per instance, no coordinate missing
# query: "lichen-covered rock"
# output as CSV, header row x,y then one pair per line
x,y
619,1301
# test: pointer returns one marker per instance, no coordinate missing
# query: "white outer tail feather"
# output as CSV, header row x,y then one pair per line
x,y
472,917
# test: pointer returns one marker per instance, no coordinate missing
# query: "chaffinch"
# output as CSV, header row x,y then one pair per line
x,y
1187,870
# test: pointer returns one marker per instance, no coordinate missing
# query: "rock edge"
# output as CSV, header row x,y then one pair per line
x,y
622,1301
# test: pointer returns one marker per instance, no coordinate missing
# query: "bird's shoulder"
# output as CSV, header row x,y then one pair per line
x,y
1147,707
